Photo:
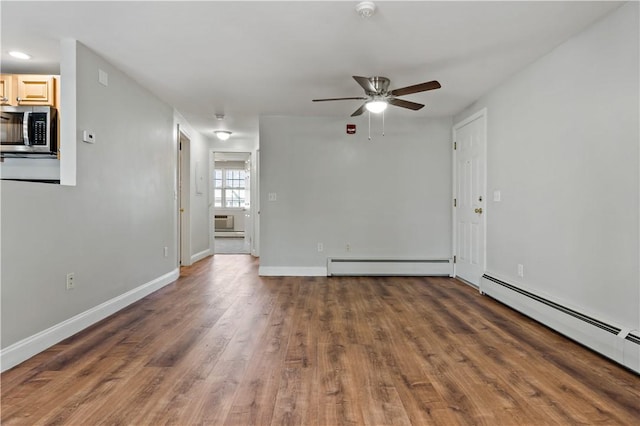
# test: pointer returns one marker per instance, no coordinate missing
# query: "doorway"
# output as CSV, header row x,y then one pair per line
x,y
232,217
469,212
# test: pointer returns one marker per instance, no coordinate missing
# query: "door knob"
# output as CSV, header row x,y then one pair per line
x,y
479,211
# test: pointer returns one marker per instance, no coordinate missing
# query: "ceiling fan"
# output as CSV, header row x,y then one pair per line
x,y
378,96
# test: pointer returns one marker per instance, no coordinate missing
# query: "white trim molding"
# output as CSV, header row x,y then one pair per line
x,y
32,345
199,256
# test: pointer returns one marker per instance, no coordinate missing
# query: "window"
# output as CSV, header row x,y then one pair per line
x,y
229,189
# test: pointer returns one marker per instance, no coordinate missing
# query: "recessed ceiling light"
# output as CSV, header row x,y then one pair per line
x,y
19,55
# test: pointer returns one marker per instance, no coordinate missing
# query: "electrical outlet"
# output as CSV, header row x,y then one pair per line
x,y
71,282
320,247
348,247
520,270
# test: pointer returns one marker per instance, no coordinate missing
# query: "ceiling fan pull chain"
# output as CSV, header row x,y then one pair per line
x,y
369,125
383,123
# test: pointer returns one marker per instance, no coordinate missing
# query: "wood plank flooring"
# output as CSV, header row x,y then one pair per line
x,y
222,346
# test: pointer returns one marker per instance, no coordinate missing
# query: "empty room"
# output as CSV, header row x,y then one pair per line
x,y
320,212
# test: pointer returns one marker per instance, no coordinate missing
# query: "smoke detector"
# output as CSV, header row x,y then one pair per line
x,y
365,9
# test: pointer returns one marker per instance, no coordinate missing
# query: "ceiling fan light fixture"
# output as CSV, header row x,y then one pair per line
x,y
223,135
376,106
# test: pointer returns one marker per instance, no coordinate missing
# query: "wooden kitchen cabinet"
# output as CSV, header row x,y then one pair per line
x,y
35,89
29,89
7,84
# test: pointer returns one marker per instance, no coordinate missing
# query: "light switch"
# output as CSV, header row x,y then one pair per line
x,y
103,78
497,196
273,196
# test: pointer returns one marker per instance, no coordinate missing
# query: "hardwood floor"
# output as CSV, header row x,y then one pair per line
x,y
224,346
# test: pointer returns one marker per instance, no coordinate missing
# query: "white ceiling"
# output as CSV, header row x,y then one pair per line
x,y
244,59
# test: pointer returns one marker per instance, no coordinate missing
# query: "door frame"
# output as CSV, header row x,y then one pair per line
x,y
255,205
481,114
211,213
183,185
253,194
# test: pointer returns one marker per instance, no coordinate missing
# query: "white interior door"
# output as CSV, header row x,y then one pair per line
x,y
179,199
248,224
470,194
184,190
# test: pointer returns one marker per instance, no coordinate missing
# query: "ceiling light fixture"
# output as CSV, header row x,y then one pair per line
x,y
223,135
19,55
376,106
365,9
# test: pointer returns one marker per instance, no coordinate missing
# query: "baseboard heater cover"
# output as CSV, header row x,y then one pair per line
x,y
616,343
388,267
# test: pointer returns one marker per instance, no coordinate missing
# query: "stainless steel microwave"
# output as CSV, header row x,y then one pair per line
x,y
28,130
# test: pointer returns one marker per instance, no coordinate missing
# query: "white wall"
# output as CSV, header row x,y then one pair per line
x,y
111,228
563,150
388,197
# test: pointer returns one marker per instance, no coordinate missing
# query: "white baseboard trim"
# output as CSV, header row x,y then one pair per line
x,y
201,255
292,271
32,345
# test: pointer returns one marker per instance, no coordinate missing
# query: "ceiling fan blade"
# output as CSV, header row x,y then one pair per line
x,y
365,83
359,98
359,111
422,87
405,104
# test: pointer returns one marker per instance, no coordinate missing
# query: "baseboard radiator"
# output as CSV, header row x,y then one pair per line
x,y
388,267
619,344
224,222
